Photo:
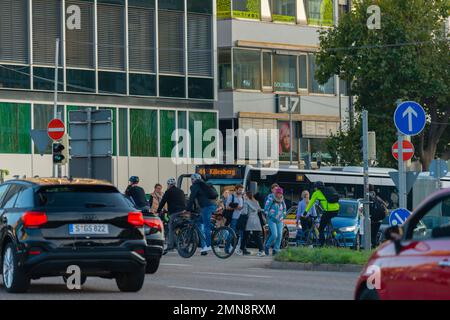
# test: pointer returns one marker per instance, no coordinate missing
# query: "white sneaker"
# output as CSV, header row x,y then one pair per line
x,y
260,254
206,249
238,252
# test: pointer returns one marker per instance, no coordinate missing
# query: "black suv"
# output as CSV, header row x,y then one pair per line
x,y
49,224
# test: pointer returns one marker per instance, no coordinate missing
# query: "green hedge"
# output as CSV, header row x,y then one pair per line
x,y
323,255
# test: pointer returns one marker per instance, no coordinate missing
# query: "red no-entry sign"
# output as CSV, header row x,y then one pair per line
x,y
55,129
408,150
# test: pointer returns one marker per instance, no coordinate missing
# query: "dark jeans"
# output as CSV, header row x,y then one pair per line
x,y
171,223
374,228
257,236
324,221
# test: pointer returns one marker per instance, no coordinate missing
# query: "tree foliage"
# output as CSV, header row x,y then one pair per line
x,y
407,59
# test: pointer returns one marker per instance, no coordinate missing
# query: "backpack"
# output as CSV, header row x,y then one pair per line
x,y
209,190
330,194
378,209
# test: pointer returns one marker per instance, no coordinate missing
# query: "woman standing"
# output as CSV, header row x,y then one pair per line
x,y
251,209
276,212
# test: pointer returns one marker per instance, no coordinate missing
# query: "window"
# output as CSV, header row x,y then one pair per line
x,y
142,84
284,10
201,88
11,197
80,42
200,44
200,6
46,28
267,69
319,12
44,79
123,132
224,58
111,49
142,3
141,39
248,9
435,224
247,69
25,199
17,77
167,127
15,137
285,72
143,133
112,82
171,4
80,80
327,88
171,42
42,114
3,190
303,72
199,123
172,87
14,31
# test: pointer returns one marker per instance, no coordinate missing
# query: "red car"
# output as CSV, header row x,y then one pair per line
x,y
415,261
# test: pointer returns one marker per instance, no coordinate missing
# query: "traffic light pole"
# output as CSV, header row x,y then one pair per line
x,y
56,168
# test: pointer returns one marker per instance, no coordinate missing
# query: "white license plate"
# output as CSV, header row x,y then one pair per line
x,y
88,229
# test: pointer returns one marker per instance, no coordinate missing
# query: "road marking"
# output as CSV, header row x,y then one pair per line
x,y
214,291
232,274
176,264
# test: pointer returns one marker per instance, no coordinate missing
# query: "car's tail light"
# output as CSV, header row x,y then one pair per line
x,y
33,219
154,223
136,219
140,251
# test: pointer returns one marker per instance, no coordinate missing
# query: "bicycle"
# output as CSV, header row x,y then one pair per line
x,y
223,239
310,237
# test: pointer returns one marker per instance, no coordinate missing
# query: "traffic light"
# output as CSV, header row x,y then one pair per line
x,y
60,151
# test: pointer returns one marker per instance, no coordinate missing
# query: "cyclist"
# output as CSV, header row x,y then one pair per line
x,y
206,196
328,201
307,221
136,193
176,205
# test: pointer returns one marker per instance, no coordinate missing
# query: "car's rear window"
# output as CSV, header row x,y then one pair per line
x,y
348,209
84,196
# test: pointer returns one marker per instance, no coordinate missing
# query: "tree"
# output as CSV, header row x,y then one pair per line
x,y
407,59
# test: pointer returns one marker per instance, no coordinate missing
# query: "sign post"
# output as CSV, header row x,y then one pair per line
x,y
367,222
409,118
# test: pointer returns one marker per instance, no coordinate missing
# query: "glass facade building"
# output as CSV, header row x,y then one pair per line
x,y
152,62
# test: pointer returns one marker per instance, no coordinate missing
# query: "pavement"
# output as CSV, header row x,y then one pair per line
x,y
206,278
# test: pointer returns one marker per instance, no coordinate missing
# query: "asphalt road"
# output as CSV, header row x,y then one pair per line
x,y
206,278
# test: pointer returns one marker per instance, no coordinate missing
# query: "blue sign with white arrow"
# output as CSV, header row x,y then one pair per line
x,y
398,216
409,118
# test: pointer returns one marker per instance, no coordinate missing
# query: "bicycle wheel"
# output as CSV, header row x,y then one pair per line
x,y
187,241
223,242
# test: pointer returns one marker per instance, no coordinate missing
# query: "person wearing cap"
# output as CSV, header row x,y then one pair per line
x,y
208,205
275,208
136,193
176,205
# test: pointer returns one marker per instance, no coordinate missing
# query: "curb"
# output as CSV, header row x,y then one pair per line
x,y
315,267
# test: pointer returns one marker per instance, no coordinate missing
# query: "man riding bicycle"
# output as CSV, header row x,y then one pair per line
x,y
206,196
136,193
176,205
328,203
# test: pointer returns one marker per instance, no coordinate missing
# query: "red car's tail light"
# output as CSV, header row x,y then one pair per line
x,y
136,219
154,223
32,219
